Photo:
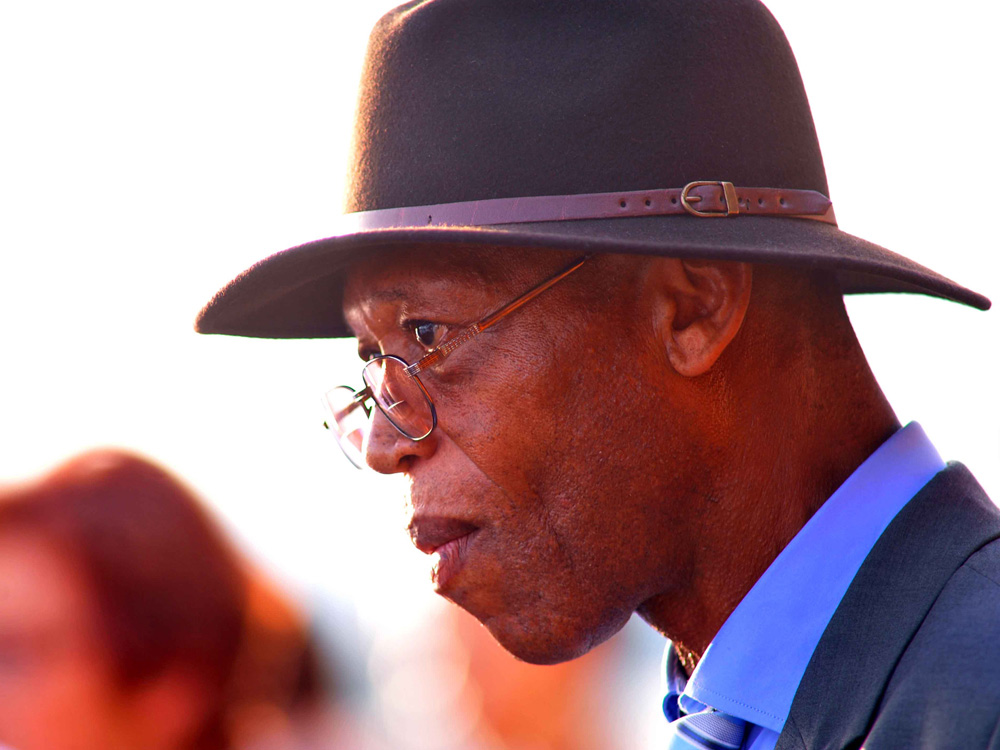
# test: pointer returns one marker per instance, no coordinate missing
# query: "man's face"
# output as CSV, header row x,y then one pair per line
x,y
548,491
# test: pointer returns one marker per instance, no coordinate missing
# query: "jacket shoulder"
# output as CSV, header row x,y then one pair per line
x,y
945,690
918,622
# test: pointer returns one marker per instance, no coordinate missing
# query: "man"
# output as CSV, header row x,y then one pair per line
x,y
597,282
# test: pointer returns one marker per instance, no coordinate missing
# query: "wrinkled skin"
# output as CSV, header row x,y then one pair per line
x,y
609,442
544,424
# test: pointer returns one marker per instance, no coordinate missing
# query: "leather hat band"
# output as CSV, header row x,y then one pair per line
x,y
704,199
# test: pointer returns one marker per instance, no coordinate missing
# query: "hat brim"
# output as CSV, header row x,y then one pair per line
x,y
298,293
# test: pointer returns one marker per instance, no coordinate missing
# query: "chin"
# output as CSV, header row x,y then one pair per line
x,y
549,639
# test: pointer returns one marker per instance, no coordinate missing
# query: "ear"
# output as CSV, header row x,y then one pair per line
x,y
700,308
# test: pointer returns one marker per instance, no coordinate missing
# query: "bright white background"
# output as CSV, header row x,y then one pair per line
x,y
150,151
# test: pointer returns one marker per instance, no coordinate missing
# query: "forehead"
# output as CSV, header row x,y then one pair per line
x,y
434,275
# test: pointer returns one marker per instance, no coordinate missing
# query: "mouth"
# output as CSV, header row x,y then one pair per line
x,y
448,541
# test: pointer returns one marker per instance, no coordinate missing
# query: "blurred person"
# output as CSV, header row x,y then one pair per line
x,y
276,672
283,695
128,621
596,279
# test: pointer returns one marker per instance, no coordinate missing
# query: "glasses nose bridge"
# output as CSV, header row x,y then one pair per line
x,y
363,400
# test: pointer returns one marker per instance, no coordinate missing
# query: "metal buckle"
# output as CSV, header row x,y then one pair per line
x,y
728,197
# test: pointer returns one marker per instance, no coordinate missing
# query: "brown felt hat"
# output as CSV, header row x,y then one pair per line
x,y
581,125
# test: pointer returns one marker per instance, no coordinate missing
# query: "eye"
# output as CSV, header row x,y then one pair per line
x,y
427,334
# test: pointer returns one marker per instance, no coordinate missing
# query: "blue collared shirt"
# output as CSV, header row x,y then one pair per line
x,y
754,664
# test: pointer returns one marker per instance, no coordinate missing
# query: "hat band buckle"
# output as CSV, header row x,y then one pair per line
x,y
728,193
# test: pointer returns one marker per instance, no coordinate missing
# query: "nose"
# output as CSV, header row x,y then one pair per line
x,y
388,451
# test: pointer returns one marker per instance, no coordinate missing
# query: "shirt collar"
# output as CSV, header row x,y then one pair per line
x,y
754,664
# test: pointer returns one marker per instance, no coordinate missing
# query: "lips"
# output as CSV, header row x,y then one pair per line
x,y
446,538
429,533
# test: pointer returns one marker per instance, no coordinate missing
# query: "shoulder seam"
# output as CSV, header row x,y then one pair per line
x,y
972,566
790,724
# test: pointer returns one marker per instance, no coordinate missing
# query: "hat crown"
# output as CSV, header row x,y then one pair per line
x,y
472,99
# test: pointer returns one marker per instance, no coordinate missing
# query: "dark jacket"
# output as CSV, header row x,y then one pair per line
x,y
911,658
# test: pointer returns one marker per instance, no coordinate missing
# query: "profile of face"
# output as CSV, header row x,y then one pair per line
x,y
58,690
552,493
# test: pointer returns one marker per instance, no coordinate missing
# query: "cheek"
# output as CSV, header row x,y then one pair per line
x,y
613,468
504,407
59,702
539,437
485,413
581,533
560,429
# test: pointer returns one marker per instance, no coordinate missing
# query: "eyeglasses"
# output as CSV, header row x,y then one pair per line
x,y
397,392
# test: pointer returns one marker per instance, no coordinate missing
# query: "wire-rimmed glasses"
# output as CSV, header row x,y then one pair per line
x,y
396,390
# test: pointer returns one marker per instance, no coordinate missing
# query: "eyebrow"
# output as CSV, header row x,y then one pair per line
x,y
388,295
380,297
431,292
415,294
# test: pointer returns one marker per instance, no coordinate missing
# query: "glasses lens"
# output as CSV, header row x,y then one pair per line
x,y
399,396
348,421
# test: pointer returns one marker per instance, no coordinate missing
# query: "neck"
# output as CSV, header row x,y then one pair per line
x,y
784,444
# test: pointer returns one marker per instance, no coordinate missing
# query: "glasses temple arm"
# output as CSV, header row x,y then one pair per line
x,y
492,319
530,294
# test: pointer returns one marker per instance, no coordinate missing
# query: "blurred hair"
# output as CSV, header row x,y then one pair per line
x,y
277,674
168,589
